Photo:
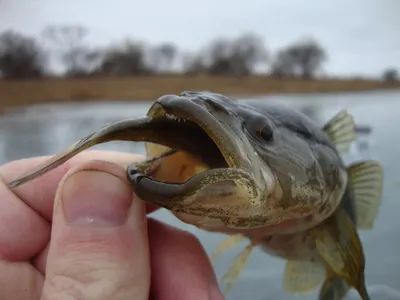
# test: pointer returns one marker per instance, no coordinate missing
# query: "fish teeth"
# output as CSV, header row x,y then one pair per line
x,y
175,118
171,116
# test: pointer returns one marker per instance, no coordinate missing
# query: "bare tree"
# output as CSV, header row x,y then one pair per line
x,y
309,55
239,56
126,59
21,57
193,64
390,75
83,62
162,57
248,50
217,57
69,43
283,65
303,58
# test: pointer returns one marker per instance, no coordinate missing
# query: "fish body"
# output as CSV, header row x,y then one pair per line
x,y
306,268
293,192
300,245
254,169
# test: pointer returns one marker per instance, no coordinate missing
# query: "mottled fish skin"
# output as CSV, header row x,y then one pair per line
x,y
301,245
287,173
289,177
293,241
291,173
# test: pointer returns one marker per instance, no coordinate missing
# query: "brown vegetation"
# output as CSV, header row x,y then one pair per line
x,y
133,70
14,93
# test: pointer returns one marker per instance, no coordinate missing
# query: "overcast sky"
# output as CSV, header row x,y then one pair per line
x,y
361,36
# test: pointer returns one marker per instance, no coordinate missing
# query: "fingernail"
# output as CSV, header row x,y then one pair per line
x,y
96,198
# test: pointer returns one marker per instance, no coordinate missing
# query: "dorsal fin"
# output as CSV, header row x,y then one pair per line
x,y
366,179
341,130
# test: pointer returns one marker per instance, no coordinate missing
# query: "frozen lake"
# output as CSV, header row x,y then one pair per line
x,y
43,130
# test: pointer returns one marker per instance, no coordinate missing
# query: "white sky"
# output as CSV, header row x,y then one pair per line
x,y
361,36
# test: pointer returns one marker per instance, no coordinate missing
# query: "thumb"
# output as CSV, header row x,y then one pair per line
x,y
99,247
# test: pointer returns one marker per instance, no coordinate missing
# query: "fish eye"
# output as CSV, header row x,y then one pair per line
x,y
266,133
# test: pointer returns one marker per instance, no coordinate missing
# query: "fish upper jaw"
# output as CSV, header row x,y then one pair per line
x,y
259,204
255,204
221,203
224,129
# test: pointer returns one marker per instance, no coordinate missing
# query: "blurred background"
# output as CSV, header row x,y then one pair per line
x,y
69,67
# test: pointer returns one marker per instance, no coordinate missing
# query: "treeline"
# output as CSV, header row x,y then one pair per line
x,y
23,57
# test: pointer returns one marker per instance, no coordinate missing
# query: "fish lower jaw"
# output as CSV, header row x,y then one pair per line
x,y
201,222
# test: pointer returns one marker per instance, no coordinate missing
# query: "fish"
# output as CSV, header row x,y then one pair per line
x,y
364,192
257,169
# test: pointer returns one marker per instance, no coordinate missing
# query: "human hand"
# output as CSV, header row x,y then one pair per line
x,y
79,232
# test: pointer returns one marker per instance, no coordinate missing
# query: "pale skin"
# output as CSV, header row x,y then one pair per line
x,y
53,244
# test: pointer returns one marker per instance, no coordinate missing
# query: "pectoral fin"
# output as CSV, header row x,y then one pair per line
x,y
366,179
237,266
302,277
227,243
341,130
339,245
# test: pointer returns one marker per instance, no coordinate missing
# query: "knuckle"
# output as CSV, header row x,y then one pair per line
x,y
62,287
82,280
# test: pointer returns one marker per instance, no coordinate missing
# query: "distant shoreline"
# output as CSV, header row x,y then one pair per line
x,y
53,90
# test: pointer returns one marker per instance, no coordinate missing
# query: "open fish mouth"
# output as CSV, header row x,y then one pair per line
x,y
200,120
201,162
213,174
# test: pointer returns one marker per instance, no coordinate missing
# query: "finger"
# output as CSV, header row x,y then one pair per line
x,y
40,260
99,247
23,233
19,281
180,268
40,192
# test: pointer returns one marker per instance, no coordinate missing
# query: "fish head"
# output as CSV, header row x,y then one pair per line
x,y
227,143
260,173
308,171
224,165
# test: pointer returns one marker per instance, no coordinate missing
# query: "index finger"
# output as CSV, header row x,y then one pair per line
x,y
39,193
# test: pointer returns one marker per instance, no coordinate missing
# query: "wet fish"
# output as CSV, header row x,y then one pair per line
x,y
361,201
257,169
